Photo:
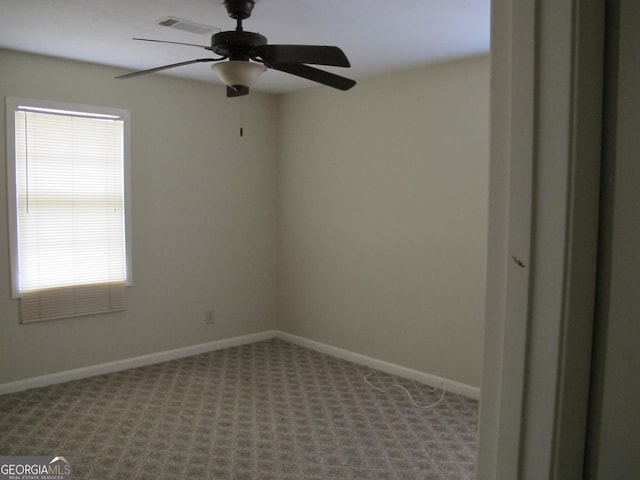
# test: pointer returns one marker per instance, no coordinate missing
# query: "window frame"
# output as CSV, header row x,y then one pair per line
x,y
11,104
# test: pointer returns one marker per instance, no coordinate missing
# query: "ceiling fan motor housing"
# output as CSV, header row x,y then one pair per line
x,y
237,45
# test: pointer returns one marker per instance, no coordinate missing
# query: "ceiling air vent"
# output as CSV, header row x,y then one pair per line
x,y
187,26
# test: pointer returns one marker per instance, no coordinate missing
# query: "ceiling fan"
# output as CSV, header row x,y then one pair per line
x,y
248,55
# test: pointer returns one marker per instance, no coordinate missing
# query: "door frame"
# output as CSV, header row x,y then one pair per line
x,y
546,114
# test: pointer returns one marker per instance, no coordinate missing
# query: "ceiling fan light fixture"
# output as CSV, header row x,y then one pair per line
x,y
239,72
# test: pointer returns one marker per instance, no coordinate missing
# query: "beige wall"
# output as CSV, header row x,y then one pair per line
x,y
374,202
383,214
204,218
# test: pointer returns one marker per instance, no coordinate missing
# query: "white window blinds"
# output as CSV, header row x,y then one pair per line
x,y
70,215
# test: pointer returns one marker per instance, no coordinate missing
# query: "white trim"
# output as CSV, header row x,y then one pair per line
x,y
134,362
125,364
393,369
543,218
11,104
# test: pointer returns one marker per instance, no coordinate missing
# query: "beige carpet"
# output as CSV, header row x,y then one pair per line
x,y
268,410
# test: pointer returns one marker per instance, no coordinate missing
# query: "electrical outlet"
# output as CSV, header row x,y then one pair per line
x,y
209,317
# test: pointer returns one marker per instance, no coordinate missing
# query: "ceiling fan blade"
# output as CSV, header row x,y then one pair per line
x,y
238,91
175,43
312,54
316,75
166,67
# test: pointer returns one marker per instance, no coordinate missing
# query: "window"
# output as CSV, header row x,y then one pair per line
x,y
68,176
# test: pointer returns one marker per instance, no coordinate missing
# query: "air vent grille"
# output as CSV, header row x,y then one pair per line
x,y
187,26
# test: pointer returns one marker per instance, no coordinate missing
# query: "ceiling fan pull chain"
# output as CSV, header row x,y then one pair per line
x,y
241,116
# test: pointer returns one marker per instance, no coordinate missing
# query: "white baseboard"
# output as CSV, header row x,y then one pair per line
x,y
404,372
78,373
134,362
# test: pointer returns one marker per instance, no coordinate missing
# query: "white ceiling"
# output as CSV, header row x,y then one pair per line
x,y
378,36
